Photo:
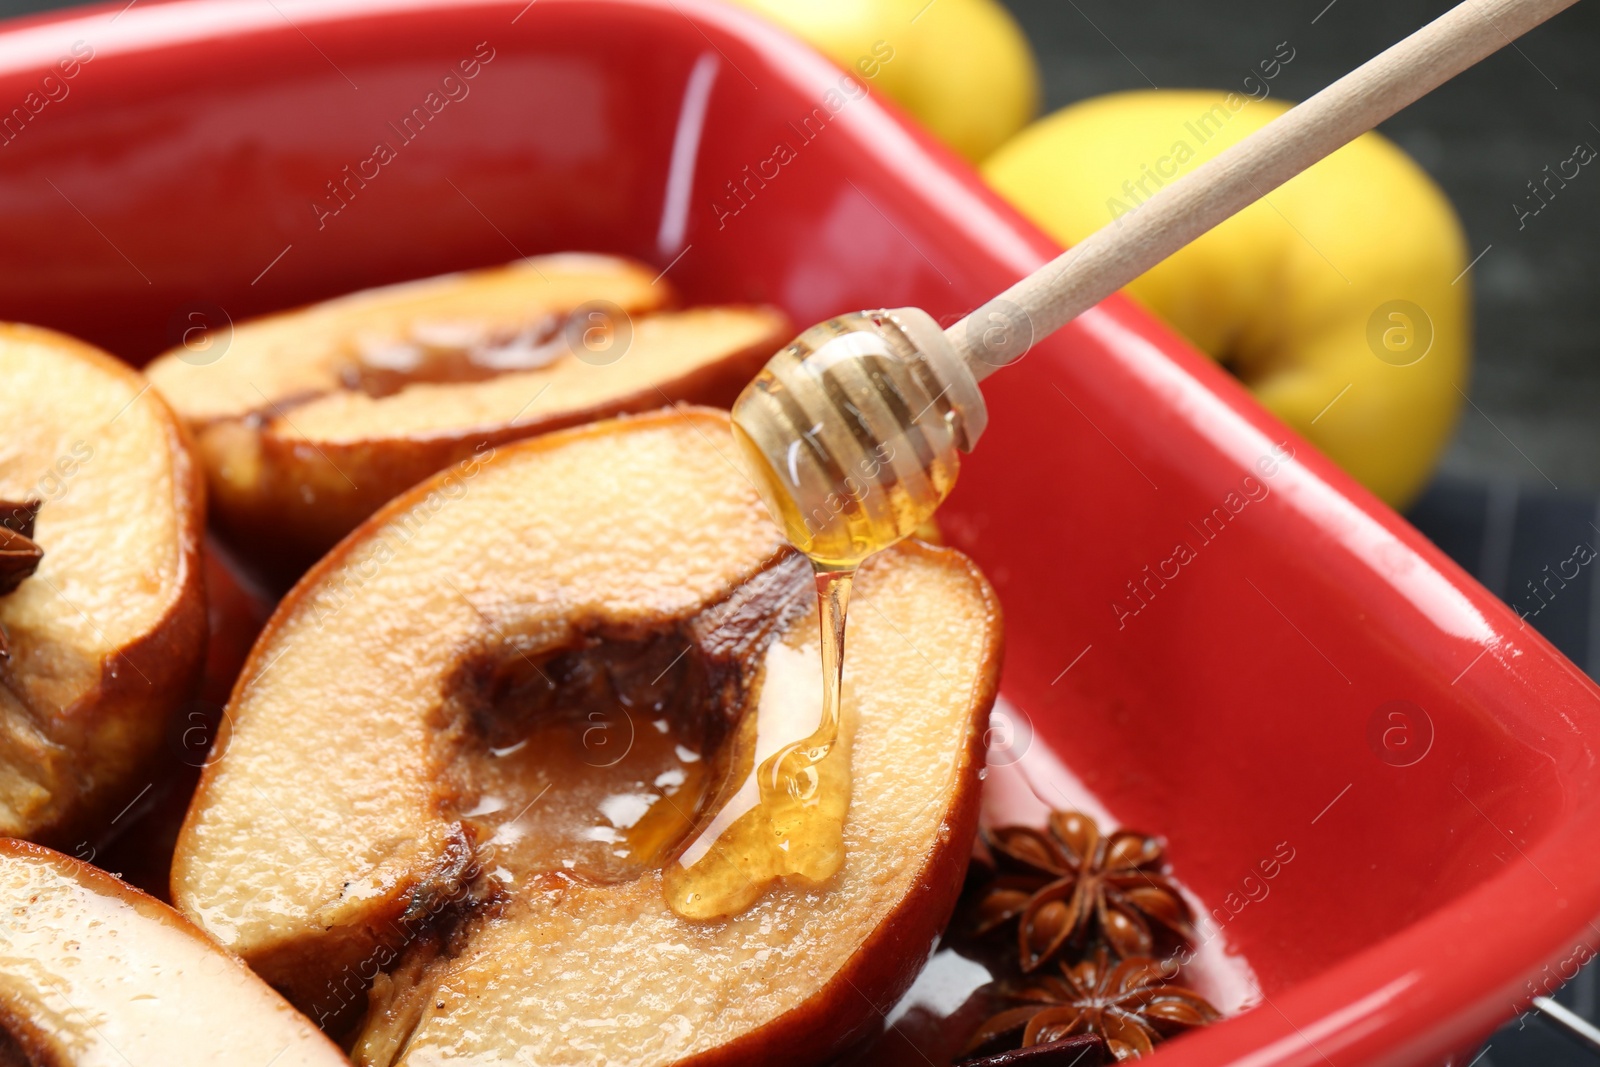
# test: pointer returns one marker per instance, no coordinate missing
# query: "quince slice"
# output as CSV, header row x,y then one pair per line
x,y
308,421
97,974
107,636
470,740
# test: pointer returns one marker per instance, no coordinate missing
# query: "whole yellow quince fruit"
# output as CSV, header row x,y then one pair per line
x,y
1339,299
962,67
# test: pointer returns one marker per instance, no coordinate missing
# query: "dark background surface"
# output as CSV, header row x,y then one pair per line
x,y
1520,485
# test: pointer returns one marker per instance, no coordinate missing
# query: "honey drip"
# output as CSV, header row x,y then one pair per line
x,y
850,434
807,811
786,818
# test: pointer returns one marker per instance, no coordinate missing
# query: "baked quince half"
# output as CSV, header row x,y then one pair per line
x,y
104,628
474,735
97,974
308,421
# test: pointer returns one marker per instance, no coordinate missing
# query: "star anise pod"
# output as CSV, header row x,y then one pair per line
x,y
1128,1003
1068,882
19,556
18,515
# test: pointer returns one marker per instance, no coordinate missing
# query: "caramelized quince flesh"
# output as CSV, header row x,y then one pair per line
x,y
470,741
97,974
308,421
105,637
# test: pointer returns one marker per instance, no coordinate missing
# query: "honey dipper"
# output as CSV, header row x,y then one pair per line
x,y
852,431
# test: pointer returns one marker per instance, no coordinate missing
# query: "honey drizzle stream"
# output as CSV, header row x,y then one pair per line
x,y
786,818
791,783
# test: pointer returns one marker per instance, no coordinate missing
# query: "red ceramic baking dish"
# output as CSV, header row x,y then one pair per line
x,y
1219,634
